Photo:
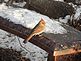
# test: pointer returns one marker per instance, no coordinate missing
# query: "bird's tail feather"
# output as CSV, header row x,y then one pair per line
x,y
29,37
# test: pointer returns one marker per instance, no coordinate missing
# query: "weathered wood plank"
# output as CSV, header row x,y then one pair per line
x,y
42,41
49,42
70,57
50,57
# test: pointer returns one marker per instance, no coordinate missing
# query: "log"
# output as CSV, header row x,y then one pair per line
x,y
68,1
53,9
42,42
76,2
70,57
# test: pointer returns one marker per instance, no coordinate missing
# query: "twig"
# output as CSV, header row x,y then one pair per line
x,y
22,45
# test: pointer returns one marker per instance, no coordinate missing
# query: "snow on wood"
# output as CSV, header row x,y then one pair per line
x,y
30,18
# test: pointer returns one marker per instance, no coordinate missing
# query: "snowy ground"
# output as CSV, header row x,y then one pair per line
x,y
28,19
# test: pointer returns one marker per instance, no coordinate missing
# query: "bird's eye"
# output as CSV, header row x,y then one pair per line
x,y
43,22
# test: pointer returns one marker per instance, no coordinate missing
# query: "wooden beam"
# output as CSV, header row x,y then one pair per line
x,y
66,52
42,42
50,57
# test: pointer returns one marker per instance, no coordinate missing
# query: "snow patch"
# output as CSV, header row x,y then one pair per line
x,y
65,20
29,19
78,13
33,52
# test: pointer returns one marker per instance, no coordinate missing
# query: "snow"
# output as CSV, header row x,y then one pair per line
x,y
33,52
78,12
21,4
65,20
29,19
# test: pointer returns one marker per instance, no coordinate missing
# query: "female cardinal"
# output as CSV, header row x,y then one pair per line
x,y
38,29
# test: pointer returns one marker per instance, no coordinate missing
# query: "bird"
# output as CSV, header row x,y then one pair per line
x,y
37,30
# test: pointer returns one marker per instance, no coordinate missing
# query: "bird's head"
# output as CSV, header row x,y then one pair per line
x,y
42,22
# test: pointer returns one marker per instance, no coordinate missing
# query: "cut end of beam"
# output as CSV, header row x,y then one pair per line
x,y
66,52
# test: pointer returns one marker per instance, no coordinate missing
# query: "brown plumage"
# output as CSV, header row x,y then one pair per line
x,y
38,29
